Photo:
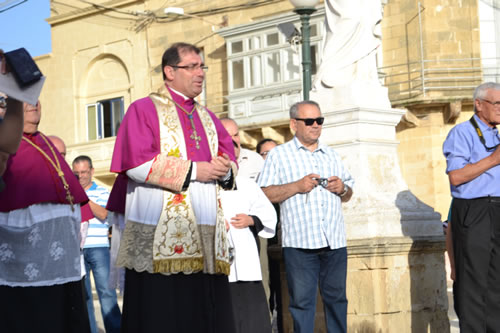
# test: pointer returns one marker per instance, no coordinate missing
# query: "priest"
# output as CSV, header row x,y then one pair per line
x,y
177,158
41,207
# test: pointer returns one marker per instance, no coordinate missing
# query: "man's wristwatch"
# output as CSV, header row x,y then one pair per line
x,y
346,189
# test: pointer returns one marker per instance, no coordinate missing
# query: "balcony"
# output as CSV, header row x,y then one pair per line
x,y
437,80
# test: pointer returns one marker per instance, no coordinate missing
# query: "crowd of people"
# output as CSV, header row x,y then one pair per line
x,y
193,215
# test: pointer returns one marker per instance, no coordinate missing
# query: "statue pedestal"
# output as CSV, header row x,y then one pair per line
x,y
367,94
382,205
396,279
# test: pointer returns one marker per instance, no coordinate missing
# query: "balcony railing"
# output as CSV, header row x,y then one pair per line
x,y
437,79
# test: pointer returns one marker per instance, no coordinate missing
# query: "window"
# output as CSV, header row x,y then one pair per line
x,y
264,58
272,39
255,71
272,67
292,65
238,74
104,118
264,71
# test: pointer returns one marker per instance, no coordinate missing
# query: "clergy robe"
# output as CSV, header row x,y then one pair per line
x,y
250,308
41,287
193,301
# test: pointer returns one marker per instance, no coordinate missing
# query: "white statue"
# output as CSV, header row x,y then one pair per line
x,y
348,61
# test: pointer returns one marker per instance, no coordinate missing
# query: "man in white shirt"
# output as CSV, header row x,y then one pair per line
x,y
310,182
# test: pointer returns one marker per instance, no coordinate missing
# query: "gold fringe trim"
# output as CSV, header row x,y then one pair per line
x,y
178,265
172,266
222,267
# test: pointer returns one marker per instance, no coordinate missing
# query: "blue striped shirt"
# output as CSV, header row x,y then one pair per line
x,y
97,235
319,222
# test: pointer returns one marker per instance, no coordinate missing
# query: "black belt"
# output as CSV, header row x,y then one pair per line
x,y
487,199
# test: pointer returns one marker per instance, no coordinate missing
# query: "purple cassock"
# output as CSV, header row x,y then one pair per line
x,y
30,179
138,141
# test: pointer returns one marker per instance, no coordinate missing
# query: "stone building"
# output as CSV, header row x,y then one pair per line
x,y
434,54
106,54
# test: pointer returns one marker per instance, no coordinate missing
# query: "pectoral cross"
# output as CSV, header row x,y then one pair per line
x,y
69,197
194,136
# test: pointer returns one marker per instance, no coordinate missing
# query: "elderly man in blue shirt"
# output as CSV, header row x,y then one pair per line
x,y
473,158
310,182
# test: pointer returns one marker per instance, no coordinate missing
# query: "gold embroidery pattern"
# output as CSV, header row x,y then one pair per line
x,y
182,239
177,245
211,132
168,172
174,152
221,243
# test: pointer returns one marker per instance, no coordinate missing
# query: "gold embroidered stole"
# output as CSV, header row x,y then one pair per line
x,y
178,245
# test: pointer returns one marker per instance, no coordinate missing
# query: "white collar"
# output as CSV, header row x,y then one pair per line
x,y
179,93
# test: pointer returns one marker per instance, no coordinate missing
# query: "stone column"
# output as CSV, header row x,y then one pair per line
x,y
396,278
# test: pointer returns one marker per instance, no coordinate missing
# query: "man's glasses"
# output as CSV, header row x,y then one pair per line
x,y
192,67
79,173
310,121
495,104
264,153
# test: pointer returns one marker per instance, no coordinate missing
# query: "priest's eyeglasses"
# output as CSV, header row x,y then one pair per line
x,y
310,121
192,67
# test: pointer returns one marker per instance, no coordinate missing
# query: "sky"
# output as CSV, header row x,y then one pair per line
x,y
25,26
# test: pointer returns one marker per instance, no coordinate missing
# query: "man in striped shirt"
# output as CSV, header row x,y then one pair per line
x,y
96,249
310,182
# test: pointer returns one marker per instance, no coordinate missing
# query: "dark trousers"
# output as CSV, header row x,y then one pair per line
x,y
476,243
275,302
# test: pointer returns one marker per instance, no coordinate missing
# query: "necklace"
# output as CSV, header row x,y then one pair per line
x,y
56,166
194,136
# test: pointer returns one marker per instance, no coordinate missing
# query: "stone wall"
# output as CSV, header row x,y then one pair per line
x,y
421,154
438,52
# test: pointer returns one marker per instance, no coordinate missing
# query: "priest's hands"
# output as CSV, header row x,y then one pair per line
x,y
217,169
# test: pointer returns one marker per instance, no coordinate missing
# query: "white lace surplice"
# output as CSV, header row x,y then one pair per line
x,y
40,246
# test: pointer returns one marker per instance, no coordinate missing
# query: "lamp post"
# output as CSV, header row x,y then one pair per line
x,y
305,8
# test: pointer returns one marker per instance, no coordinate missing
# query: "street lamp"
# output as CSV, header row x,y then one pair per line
x,y
305,8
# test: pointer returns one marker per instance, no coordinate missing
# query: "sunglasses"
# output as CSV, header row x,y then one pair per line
x,y
310,121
